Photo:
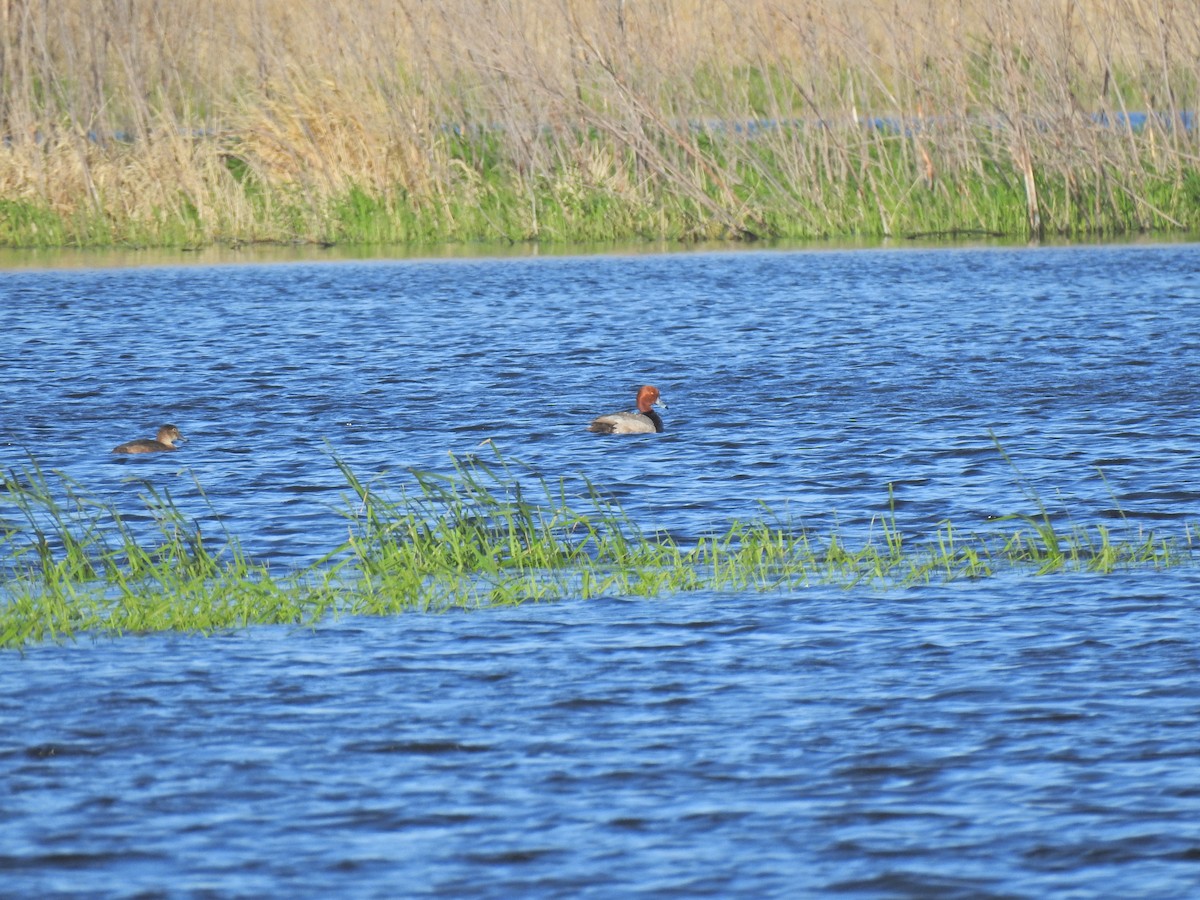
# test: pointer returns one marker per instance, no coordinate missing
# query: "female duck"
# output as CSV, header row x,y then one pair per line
x,y
644,421
167,436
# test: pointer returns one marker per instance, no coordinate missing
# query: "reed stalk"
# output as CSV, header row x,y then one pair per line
x,y
412,121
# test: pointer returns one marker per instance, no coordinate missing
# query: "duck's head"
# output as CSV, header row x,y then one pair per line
x,y
169,435
648,396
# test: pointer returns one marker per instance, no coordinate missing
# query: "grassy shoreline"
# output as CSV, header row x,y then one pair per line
x,y
487,532
380,122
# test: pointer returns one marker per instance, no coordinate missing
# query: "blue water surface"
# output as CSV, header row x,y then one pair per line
x,y
1016,736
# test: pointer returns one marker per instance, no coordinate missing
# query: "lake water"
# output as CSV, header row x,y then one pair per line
x,y
1016,736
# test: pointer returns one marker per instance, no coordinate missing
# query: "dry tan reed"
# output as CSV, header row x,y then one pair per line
x,y
158,120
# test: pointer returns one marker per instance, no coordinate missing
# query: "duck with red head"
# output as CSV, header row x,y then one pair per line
x,y
644,421
167,436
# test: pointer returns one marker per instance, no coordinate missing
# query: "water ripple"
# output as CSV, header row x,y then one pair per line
x,y
1010,737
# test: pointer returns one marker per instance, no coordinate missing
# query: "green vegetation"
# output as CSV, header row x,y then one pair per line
x,y
470,537
462,121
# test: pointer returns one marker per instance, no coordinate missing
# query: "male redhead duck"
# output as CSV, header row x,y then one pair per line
x,y
167,436
644,421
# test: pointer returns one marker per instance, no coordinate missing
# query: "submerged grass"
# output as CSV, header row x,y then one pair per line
x,y
487,532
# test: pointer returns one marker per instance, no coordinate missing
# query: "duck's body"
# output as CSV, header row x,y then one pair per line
x,y
165,440
644,421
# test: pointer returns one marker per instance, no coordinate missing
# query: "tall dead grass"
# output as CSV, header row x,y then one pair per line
x,y
158,121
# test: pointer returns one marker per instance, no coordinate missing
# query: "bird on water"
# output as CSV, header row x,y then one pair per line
x,y
167,437
644,421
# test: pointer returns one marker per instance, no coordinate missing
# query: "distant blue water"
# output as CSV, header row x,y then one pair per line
x,y
1013,737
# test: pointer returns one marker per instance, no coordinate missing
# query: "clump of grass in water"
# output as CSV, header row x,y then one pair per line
x,y
75,565
1047,550
471,537
487,532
